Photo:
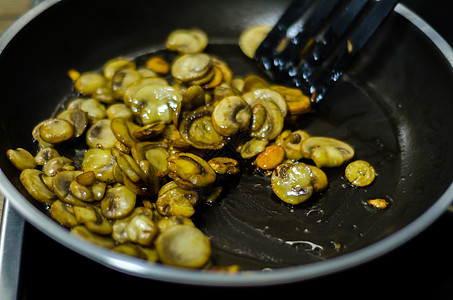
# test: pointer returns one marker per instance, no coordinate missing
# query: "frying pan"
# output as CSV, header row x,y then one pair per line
x,y
394,105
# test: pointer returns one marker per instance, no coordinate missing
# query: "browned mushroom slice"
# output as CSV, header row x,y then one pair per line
x,y
190,67
231,115
187,41
319,179
265,95
292,183
122,129
192,98
55,131
122,80
118,202
89,82
267,120
149,131
100,135
172,200
138,227
117,64
224,165
291,142
94,109
296,101
21,159
61,183
119,110
58,164
252,147
251,38
155,153
101,162
45,155
184,246
155,103
197,129
83,232
92,218
326,152
189,170
130,92
78,119
63,214
35,186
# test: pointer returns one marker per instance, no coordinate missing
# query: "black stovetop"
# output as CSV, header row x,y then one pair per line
x,y
421,267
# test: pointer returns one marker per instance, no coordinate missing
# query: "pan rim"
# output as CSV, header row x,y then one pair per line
x,y
144,269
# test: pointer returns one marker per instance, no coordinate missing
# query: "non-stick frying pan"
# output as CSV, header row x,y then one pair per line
x,y
394,105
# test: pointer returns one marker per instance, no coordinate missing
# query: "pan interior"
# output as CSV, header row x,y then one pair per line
x,y
393,105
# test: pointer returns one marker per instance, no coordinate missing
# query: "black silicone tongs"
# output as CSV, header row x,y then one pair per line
x,y
314,41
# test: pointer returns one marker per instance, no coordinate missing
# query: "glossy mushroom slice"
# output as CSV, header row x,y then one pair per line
x,y
189,170
117,64
61,183
118,202
291,142
88,83
138,227
123,130
173,200
251,38
92,218
296,101
21,159
326,152
155,153
224,165
155,103
187,41
292,183
100,135
192,98
130,92
267,120
191,67
183,246
122,80
252,147
231,115
101,162
197,129
63,214
78,119
32,180
266,95
55,131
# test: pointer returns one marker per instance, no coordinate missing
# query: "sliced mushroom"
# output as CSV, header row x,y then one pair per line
x,y
117,64
224,165
89,82
251,38
183,246
55,131
192,98
253,147
45,155
122,80
101,162
130,168
267,120
291,142
197,129
158,65
58,164
319,179
94,109
189,170
172,200
78,118
231,115
118,202
155,103
270,158
191,67
326,152
296,101
63,214
155,153
149,131
187,41
83,232
266,95
138,227
21,159
360,173
33,182
61,183
130,92
122,129
100,135
119,110
92,218
172,221
292,183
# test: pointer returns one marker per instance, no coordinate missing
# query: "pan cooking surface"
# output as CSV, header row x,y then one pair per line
x,y
393,106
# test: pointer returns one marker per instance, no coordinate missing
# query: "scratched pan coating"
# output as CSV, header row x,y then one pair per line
x,y
393,106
